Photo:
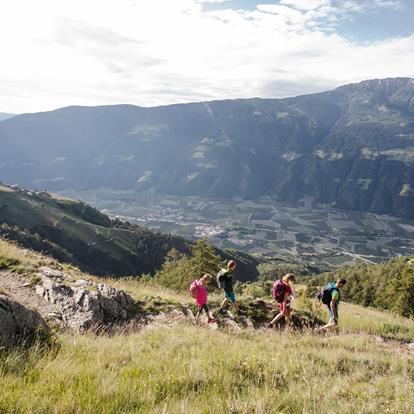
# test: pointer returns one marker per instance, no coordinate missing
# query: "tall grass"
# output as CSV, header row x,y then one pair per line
x,y
193,370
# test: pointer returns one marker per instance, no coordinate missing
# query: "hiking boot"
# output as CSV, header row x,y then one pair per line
x,y
212,320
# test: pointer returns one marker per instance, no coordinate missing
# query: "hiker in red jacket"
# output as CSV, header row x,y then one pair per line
x,y
282,294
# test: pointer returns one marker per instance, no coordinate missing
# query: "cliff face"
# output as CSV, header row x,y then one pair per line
x,y
353,147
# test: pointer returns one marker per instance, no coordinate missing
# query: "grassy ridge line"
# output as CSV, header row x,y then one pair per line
x,y
353,318
192,370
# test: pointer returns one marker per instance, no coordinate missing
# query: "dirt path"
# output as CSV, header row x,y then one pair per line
x,y
13,285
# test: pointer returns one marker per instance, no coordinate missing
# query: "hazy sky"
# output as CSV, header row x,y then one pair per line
x,y
56,53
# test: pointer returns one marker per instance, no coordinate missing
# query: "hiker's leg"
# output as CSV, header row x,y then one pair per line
x,y
288,316
232,297
198,315
329,326
224,303
331,322
209,314
280,315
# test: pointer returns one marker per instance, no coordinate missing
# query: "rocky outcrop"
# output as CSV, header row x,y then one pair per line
x,y
87,306
20,325
83,305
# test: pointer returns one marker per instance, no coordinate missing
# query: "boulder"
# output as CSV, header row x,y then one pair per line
x,y
20,325
82,309
53,274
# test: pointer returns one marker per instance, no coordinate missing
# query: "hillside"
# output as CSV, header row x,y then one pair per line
x,y
351,147
172,366
74,232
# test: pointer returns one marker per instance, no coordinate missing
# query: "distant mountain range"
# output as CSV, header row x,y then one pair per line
x,y
4,116
352,147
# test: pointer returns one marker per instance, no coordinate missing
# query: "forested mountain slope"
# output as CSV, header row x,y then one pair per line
x,y
74,232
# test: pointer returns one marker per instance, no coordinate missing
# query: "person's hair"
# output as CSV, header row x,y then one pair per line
x,y
207,277
231,264
341,281
289,277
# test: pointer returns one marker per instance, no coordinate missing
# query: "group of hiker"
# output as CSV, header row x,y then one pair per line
x,y
282,293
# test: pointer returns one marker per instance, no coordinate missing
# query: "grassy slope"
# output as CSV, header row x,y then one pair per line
x,y
92,240
75,227
196,370
185,369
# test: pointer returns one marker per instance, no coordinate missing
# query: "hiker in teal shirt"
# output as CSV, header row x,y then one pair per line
x,y
330,296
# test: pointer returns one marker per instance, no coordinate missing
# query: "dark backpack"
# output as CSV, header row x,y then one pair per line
x,y
278,291
221,279
326,295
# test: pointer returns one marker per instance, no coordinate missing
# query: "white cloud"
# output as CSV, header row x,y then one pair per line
x,y
306,4
211,1
151,52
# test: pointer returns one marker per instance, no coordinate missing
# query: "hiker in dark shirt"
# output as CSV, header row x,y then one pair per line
x,y
225,282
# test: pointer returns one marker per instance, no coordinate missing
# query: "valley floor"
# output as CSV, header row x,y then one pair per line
x,y
264,226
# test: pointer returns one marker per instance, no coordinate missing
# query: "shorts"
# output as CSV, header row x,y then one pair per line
x,y
231,295
288,309
331,314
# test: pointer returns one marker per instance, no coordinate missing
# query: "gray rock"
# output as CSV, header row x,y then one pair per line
x,y
82,309
246,322
19,325
53,274
230,325
83,282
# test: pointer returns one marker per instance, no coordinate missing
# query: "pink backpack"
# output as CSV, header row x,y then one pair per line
x,y
194,289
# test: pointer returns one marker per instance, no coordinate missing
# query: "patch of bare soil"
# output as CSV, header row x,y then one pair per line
x,y
15,286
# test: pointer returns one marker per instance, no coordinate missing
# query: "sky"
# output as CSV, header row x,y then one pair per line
x,y
56,53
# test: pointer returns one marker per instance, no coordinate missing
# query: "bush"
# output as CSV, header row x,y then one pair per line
x,y
389,285
8,263
179,270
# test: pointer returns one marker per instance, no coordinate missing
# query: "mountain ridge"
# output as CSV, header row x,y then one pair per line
x,y
352,147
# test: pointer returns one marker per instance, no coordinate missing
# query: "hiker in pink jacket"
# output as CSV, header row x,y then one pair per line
x,y
199,293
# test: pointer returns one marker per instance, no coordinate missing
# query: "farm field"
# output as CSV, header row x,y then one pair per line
x,y
304,230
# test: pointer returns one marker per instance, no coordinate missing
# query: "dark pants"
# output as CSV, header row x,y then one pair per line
x,y
205,308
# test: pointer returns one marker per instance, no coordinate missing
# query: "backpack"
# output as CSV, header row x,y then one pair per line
x,y
194,289
326,295
221,278
278,291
